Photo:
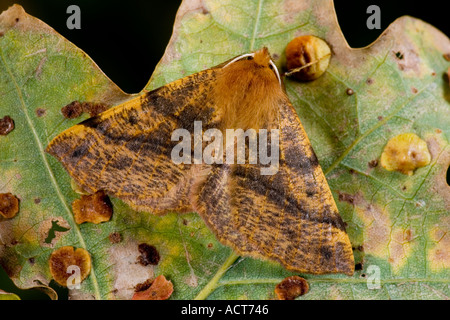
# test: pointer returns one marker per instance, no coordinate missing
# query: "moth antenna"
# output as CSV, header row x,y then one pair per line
x,y
253,55
276,71
239,58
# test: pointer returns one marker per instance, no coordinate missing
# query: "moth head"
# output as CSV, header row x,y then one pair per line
x,y
260,58
248,91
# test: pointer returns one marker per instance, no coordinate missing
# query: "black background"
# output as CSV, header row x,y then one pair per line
x,y
128,38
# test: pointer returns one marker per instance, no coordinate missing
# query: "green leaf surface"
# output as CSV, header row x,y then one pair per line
x,y
8,296
399,225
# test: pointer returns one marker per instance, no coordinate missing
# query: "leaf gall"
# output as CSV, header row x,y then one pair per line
x,y
9,205
6,125
307,57
405,153
64,257
95,208
149,255
291,288
160,289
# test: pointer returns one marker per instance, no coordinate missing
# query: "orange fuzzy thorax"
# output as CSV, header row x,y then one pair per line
x,y
248,93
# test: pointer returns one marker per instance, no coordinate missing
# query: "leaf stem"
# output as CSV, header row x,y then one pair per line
x,y
212,284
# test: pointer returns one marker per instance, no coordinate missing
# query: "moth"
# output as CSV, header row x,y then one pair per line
x,y
289,217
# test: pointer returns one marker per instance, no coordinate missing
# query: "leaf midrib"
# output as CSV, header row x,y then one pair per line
x,y
49,170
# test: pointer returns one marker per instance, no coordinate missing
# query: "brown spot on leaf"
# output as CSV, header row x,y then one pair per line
x,y
40,112
9,262
160,289
438,254
408,235
373,163
6,125
400,247
399,55
349,91
408,59
377,226
76,108
414,90
369,81
72,110
9,205
94,108
143,285
446,56
95,208
65,257
37,200
115,237
149,254
346,198
291,288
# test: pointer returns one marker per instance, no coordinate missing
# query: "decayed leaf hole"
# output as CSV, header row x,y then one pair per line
x,y
51,230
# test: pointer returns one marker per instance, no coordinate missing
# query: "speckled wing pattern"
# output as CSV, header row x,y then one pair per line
x,y
289,217
126,150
